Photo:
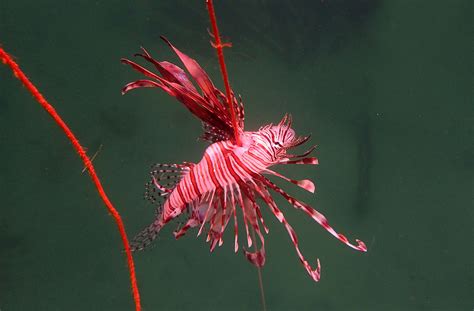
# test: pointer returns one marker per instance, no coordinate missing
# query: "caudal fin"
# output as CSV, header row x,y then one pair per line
x,y
144,238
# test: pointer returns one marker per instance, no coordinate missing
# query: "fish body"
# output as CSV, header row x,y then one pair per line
x,y
230,177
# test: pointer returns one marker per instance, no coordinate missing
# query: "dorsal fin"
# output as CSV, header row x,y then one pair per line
x,y
206,102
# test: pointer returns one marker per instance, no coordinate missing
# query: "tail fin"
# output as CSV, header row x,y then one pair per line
x,y
144,238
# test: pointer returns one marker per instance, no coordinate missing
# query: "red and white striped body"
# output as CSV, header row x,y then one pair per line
x,y
230,176
223,166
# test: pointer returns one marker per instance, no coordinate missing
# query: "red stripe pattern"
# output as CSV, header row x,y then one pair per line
x,y
228,181
229,178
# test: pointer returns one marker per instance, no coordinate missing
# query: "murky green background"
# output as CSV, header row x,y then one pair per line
x,y
385,87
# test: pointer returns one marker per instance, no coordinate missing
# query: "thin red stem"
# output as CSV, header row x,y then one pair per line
x,y
7,59
260,279
220,55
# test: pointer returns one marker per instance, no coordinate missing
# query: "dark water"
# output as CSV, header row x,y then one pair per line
x,y
385,87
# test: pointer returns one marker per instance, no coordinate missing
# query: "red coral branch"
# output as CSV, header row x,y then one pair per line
x,y
7,60
220,54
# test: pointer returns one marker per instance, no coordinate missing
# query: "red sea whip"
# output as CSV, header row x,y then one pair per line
x,y
8,60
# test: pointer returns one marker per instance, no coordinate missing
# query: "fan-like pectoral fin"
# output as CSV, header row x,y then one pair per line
x,y
207,214
197,210
305,154
309,160
191,223
306,184
314,273
317,216
217,215
244,216
257,257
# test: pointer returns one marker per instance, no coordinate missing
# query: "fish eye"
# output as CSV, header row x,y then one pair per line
x,y
278,144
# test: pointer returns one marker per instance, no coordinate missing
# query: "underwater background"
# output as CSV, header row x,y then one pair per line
x,y
385,88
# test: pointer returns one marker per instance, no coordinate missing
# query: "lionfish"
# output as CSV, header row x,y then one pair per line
x,y
230,174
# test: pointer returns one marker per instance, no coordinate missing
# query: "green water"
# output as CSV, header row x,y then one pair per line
x,y
385,87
